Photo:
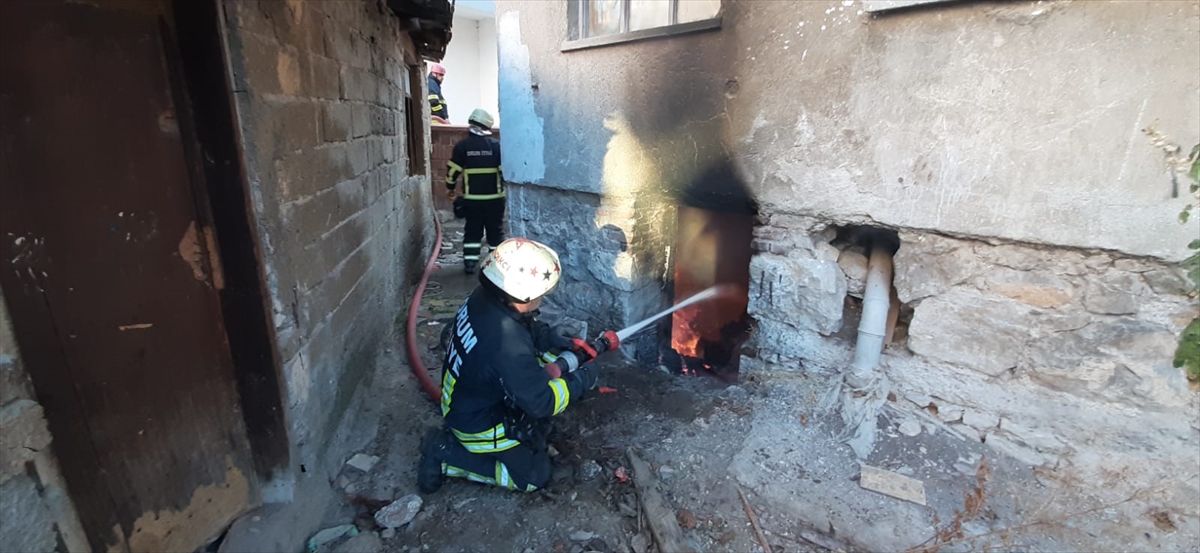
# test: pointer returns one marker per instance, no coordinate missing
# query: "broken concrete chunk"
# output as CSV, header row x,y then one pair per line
x,y
892,484
363,462
399,512
388,533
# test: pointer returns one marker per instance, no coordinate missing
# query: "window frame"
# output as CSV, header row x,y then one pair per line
x,y
578,24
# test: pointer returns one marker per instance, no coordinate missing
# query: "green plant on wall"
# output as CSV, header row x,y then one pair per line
x,y
1187,354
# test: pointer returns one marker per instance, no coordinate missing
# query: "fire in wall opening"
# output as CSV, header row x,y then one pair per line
x,y
714,226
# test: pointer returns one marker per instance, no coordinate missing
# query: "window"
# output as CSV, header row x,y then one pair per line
x,y
414,119
884,5
600,22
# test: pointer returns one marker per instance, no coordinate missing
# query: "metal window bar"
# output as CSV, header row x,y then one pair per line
x,y
624,16
674,9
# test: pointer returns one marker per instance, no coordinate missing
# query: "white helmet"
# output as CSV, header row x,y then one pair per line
x,y
522,268
482,118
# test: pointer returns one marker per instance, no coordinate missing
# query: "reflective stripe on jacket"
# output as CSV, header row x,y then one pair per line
x,y
437,102
477,159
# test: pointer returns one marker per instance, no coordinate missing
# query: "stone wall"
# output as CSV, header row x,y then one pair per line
x,y
35,512
320,90
1059,358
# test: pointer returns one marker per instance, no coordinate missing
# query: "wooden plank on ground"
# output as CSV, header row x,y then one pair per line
x,y
659,516
895,485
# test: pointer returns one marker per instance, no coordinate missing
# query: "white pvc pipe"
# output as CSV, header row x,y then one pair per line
x,y
876,304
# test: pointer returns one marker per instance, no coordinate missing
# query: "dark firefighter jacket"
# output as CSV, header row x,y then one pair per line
x,y
437,103
477,158
491,375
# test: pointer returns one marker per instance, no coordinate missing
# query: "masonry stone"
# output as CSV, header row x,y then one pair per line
x,y
1089,358
336,121
927,265
1036,288
854,266
324,75
806,293
967,328
1115,293
1168,281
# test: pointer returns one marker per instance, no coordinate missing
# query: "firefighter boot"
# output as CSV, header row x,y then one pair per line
x,y
469,267
429,471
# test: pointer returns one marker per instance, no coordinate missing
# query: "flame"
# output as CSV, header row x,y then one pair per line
x,y
712,248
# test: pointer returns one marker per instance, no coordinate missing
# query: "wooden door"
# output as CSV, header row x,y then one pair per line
x,y
109,271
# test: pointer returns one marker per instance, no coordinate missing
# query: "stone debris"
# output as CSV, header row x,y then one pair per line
x,y
367,542
581,535
388,533
588,470
639,543
666,473
892,484
399,512
910,427
330,534
363,462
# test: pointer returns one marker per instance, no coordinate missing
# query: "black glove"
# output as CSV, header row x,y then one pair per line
x,y
560,339
586,376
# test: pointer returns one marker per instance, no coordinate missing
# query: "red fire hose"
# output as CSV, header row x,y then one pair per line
x,y
414,356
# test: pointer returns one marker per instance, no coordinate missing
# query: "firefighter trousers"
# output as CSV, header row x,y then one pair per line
x,y
524,467
482,215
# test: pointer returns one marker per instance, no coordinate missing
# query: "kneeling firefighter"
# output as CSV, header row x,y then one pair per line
x,y
497,398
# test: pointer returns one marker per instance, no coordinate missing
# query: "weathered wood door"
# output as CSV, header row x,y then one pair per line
x,y
109,270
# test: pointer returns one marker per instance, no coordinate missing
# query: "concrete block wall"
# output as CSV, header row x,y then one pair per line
x,y
35,512
344,227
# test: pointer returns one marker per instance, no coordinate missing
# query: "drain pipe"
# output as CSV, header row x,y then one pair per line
x,y
877,301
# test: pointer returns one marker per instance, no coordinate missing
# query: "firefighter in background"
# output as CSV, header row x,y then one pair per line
x,y
477,159
497,398
438,109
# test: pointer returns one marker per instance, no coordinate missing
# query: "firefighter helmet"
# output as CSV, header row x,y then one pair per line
x,y
482,118
523,269
436,68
